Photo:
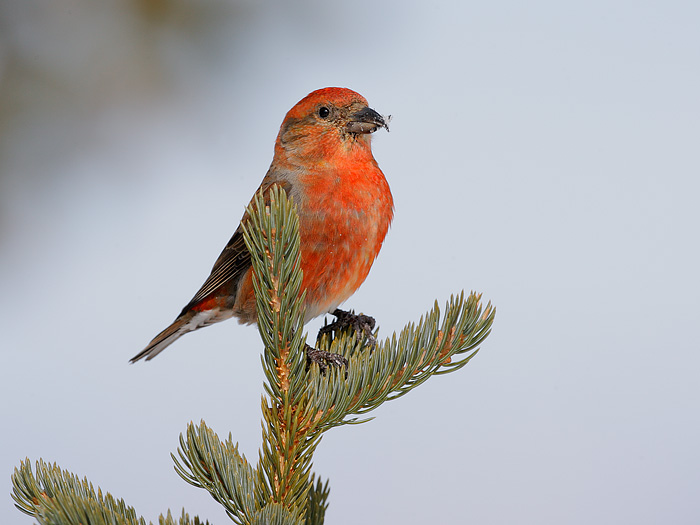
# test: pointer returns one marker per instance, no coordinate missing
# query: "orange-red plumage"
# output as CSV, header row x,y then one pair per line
x,y
323,160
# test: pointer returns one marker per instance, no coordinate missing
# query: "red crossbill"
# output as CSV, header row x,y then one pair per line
x,y
323,160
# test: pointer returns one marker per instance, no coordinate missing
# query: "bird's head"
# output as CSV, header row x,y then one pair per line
x,y
329,122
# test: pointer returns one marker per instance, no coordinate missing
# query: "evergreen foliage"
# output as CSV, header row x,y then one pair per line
x,y
299,404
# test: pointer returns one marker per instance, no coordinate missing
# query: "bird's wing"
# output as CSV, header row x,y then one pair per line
x,y
234,260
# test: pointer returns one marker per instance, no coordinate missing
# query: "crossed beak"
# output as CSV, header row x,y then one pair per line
x,y
367,121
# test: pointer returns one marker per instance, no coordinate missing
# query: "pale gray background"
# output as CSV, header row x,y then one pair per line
x,y
544,153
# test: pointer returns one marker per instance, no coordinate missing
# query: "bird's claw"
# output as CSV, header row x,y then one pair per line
x,y
361,324
324,359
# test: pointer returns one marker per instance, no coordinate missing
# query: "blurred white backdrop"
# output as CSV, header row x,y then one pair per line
x,y
543,153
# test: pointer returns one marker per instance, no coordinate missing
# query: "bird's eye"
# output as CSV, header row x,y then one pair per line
x,y
323,112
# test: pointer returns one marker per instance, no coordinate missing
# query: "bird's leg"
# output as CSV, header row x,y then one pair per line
x,y
361,324
324,359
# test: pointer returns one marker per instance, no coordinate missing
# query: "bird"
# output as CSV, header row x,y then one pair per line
x,y
323,160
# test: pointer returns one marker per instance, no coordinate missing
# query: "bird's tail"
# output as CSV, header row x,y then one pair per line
x,y
187,322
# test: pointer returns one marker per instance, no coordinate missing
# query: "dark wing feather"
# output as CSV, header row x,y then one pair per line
x,y
231,264
234,260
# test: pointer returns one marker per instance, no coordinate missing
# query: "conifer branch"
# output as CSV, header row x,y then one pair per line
x,y
289,435
54,496
281,487
397,366
207,462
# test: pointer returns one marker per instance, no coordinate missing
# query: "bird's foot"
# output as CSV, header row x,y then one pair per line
x,y
362,325
324,359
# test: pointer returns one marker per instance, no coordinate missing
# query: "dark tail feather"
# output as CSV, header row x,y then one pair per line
x,y
180,327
